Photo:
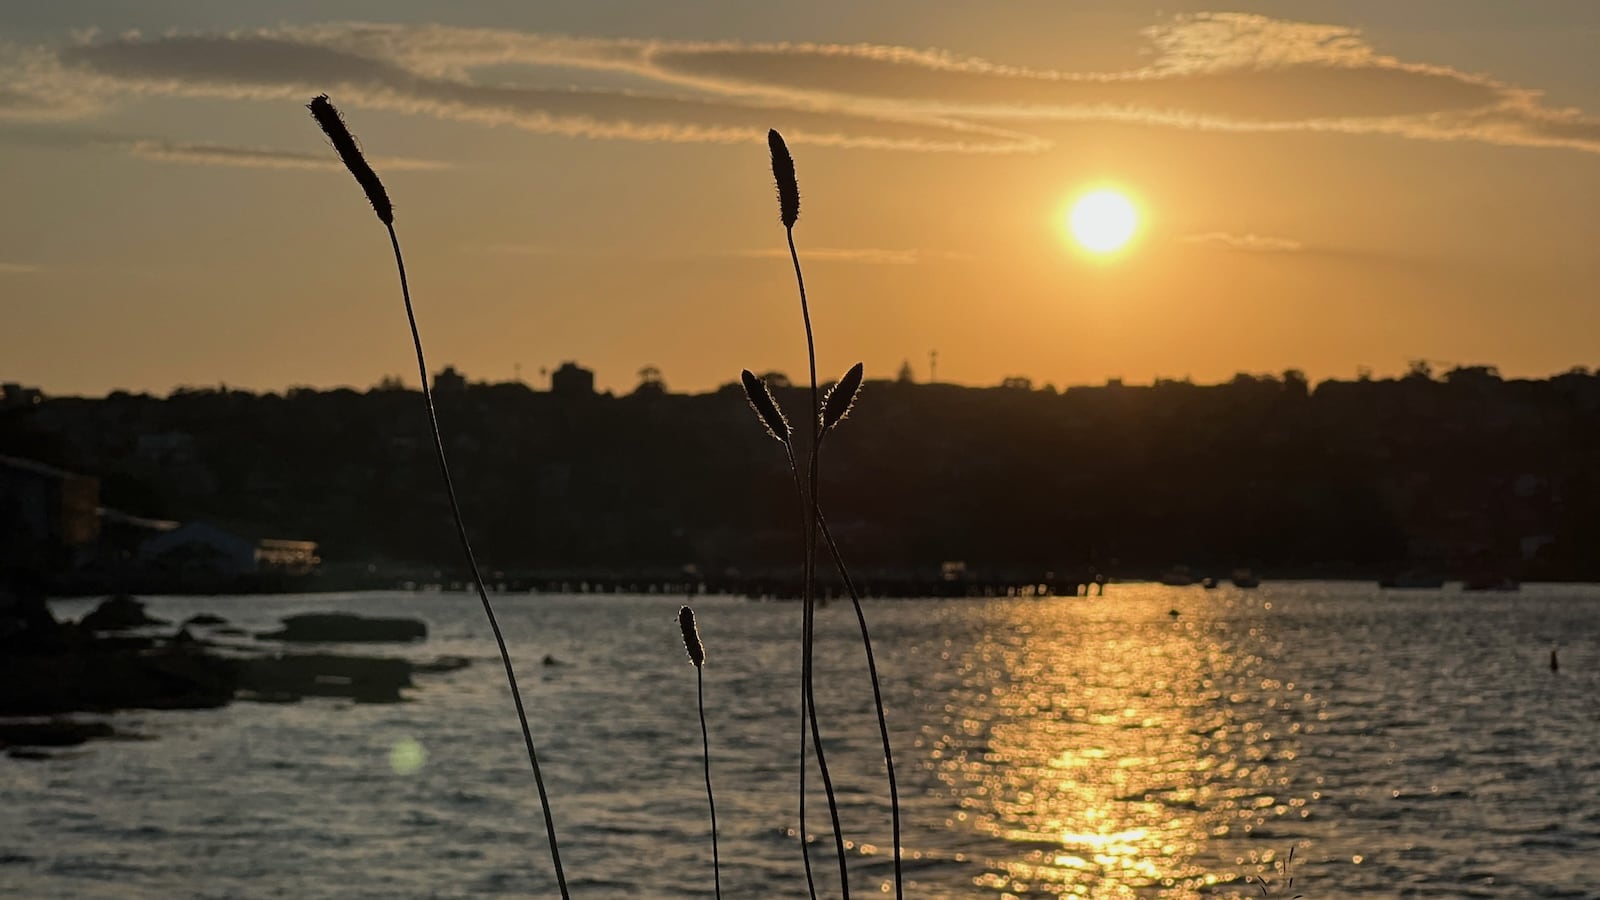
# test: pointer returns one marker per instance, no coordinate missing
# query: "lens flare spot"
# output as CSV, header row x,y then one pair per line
x,y
407,757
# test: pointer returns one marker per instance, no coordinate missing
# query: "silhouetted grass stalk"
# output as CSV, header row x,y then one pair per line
x,y
836,407
840,400
777,425
877,701
697,656
806,711
824,416
877,691
344,142
789,212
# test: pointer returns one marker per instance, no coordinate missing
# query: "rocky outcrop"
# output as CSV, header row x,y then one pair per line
x,y
441,665
347,628
25,621
92,678
365,679
35,740
118,613
205,619
48,669
51,733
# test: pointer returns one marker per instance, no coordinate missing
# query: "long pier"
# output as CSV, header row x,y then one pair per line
x,y
763,585
782,588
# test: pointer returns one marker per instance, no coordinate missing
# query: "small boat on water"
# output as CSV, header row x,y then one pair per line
x,y
1244,578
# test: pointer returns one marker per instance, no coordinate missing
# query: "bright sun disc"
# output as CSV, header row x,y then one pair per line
x,y
1103,221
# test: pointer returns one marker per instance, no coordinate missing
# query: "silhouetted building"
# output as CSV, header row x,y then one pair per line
x,y
287,557
199,549
47,516
13,394
449,381
572,380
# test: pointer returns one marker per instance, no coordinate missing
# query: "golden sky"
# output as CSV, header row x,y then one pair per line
x,y
1322,185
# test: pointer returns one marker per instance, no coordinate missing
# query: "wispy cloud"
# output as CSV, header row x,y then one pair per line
x,y
293,63
56,137
1207,70
259,157
16,268
1251,242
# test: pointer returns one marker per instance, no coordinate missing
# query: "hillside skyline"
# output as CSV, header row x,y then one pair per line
x,y
1458,471
538,380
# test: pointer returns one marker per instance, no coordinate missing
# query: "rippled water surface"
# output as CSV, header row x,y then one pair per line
x,y
1403,743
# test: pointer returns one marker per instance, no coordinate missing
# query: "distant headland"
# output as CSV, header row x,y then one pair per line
x,y
1459,473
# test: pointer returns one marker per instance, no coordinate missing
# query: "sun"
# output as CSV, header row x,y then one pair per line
x,y
1103,221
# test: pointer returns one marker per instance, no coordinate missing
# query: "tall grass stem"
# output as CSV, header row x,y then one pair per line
x,y
697,656
805,705
711,800
872,670
877,700
808,640
472,563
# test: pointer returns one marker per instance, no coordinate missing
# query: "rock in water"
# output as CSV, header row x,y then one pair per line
x,y
118,613
289,678
103,676
52,733
347,628
205,619
26,625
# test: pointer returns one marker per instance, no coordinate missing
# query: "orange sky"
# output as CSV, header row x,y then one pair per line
x,y
1325,186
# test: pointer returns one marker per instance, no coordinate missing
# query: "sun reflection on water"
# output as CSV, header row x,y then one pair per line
x,y
1102,753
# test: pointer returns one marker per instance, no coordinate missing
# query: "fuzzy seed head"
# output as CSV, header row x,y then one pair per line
x,y
761,400
841,397
783,174
691,637
345,143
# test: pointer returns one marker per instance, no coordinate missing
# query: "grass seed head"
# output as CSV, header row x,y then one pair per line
x,y
783,173
343,141
691,637
762,401
841,397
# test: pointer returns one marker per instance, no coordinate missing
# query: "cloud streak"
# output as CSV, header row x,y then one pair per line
x,y
261,158
1221,71
16,268
1254,243
294,63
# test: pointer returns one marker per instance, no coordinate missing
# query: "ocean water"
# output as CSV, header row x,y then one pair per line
x,y
1403,744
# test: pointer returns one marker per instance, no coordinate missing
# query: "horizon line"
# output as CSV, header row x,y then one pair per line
x,y
1012,382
